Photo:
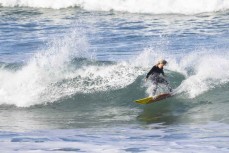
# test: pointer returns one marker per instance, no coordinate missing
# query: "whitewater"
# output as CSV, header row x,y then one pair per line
x,y
132,6
71,70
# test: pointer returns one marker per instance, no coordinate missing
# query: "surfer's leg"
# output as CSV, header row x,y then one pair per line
x,y
154,82
165,82
168,85
155,88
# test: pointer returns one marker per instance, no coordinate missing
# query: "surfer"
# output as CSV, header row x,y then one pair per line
x,y
154,76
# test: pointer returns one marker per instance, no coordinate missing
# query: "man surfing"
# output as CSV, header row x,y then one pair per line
x,y
155,78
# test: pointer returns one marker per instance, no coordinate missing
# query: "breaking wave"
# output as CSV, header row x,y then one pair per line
x,y
64,68
132,6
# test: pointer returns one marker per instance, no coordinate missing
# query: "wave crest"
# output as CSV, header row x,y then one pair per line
x,y
132,6
203,70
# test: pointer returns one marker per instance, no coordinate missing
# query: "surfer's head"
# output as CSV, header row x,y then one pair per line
x,y
161,63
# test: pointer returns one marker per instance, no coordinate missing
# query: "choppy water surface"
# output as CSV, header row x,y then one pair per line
x,y
69,76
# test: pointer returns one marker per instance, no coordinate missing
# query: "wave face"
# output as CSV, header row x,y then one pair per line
x,y
63,71
132,6
66,68
29,84
203,70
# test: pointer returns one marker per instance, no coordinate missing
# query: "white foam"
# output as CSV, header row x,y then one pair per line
x,y
50,75
153,138
132,6
26,86
204,69
210,70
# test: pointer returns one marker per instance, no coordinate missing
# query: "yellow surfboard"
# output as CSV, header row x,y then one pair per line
x,y
149,100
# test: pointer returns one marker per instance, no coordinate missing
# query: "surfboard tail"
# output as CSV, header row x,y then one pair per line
x,y
149,100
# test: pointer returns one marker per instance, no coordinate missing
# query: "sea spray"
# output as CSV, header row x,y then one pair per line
x,y
52,75
57,72
203,70
25,86
132,6
208,71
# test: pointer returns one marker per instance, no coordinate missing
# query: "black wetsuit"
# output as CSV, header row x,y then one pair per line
x,y
154,75
155,70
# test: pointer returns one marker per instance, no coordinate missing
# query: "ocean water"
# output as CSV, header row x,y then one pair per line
x,y
70,71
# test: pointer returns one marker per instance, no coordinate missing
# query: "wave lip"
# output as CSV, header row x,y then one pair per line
x,y
132,6
54,4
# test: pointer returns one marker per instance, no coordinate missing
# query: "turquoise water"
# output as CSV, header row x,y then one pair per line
x,y
69,76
